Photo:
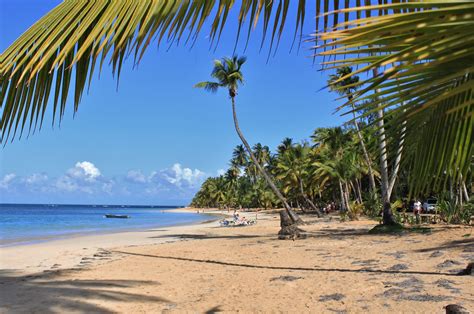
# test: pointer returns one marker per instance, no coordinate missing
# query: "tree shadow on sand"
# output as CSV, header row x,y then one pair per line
x,y
289,268
338,233
208,236
44,293
466,244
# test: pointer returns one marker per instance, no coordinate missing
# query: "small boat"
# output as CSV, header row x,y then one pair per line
x,y
116,216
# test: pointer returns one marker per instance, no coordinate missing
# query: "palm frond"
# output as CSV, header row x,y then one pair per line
x,y
208,86
426,52
63,49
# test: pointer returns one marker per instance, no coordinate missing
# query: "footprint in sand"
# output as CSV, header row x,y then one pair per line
x,y
398,267
448,263
436,254
331,297
447,284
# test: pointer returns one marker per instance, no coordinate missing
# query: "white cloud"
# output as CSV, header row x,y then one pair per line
x,y
85,181
220,172
6,180
107,187
65,183
84,170
136,176
82,177
36,178
178,175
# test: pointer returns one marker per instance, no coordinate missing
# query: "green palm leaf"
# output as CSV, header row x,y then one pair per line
x,y
77,37
426,52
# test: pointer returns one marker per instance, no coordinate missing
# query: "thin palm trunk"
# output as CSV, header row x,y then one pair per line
x,y
398,160
355,188
293,216
364,150
359,187
384,184
343,201
464,188
307,199
346,194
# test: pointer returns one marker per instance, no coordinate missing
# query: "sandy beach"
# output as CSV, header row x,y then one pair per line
x,y
207,268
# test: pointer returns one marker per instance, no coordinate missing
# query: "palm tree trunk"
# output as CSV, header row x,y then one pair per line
x,y
398,160
387,211
357,192
343,200
359,187
364,150
306,198
293,216
464,188
346,194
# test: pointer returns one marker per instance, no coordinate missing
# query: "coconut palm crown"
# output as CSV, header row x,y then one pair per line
x,y
227,73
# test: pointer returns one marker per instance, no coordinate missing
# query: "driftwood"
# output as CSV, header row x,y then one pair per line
x,y
289,230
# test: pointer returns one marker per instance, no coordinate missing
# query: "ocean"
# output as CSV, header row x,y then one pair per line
x,y
23,224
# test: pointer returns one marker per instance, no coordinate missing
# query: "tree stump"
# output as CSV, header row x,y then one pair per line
x,y
468,271
295,218
455,309
289,230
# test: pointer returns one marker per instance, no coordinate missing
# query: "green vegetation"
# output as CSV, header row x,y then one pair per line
x,y
329,167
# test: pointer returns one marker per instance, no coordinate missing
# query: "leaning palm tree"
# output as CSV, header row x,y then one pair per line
x,y
228,74
347,87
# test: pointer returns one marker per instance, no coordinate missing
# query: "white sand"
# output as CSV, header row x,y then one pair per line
x,y
339,268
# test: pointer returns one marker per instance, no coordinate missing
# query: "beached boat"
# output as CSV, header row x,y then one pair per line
x,y
116,216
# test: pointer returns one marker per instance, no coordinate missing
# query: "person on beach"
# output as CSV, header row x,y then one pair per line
x,y
417,210
236,215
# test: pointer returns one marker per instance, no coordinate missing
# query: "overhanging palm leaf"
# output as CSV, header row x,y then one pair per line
x,y
77,37
428,62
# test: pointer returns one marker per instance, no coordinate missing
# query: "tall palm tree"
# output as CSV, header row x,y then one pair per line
x,y
228,74
347,87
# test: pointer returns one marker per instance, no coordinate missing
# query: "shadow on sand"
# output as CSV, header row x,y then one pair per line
x,y
208,236
466,244
42,293
341,270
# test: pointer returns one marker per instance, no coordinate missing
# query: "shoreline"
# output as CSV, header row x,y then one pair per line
x,y
70,251
48,238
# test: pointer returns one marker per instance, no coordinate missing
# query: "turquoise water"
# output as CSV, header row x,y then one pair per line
x,y
21,224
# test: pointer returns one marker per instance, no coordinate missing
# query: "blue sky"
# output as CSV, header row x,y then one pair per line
x,y
157,138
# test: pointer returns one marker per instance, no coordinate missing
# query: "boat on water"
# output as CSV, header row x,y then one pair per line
x,y
116,216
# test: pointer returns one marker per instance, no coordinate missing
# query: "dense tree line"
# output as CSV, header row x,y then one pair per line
x,y
329,167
